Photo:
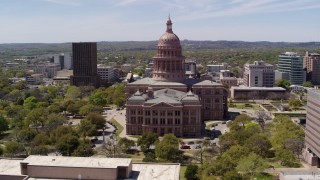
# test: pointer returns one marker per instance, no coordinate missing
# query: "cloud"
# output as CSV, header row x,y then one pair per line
x,y
244,7
65,2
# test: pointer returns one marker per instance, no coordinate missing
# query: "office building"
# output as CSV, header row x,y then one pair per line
x,y
106,73
34,79
290,65
84,64
48,70
216,68
312,132
258,74
247,93
311,64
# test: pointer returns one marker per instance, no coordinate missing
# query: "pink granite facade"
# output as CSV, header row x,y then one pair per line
x,y
170,103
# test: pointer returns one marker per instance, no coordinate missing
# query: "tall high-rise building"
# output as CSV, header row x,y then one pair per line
x,y
258,74
84,64
312,140
311,64
290,67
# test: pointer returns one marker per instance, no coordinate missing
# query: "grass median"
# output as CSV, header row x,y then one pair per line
x,y
119,127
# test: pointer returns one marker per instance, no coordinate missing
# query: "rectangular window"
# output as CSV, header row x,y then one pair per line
x,y
147,112
155,113
162,113
177,121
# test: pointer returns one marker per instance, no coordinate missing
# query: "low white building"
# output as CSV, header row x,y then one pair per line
x,y
297,88
106,73
34,79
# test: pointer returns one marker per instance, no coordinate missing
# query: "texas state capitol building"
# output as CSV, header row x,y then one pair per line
x,y
169,102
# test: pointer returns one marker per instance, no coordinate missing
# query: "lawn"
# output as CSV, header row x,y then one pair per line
x,y
247,106
119,126
182,171
136,157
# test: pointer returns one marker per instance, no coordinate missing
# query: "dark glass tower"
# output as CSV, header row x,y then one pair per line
x,y
84,64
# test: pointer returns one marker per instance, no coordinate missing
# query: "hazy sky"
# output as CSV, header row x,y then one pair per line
x,y
141,20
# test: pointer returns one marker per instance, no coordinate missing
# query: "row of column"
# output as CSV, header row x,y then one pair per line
x,y
168,66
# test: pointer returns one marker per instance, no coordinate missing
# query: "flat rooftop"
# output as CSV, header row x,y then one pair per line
x,y
63,161
258,88
142,171
10,167
297,174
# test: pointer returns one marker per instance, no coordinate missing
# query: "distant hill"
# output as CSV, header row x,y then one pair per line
x,y
29,49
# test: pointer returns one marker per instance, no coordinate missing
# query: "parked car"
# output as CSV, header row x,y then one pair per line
x,y
190,142
94,139
206,138
184,146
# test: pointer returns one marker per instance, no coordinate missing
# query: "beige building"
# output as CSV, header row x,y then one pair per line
x,y
34,79
168,102
89,168
311,64
312,141
48,70
258,74
106,73
227,80
258,93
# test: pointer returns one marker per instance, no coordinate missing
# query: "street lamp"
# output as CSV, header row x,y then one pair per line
x,y
115,142
103,134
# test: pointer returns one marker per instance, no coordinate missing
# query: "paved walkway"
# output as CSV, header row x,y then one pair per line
x,y
120,117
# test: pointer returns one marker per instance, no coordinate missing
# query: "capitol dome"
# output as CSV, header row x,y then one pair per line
x,y
169,43
169,38
168,64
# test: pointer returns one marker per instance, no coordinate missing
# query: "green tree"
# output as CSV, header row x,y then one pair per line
x,y
40,150
53,121
168,148
13,148
253,128
86,128
86,109
295,103
56,134
191,172
126,144
98,98
146,140
37,117
96,119
30,102
259,144
284,84
283,131
4,125
251,164
150,157
83,150
67,144
242,119
307,84
295,145
232,175
73,92
287,158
